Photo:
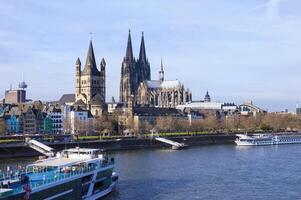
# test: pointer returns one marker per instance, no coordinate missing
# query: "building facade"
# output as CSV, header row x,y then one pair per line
x,y
133,71
90,86
80,121
15,96
136,81
57,117
13,124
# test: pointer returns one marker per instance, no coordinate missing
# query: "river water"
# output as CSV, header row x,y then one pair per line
x,y
207,172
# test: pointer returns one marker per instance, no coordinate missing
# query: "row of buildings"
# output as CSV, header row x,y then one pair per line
x,y
142,100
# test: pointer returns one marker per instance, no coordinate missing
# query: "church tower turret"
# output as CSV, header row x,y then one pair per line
x,y
78,78
207,97
161,72
103,80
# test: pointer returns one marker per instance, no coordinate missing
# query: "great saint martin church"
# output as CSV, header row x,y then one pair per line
x,y
90,89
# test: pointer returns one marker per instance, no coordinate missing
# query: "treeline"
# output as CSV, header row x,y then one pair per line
x,y
271,122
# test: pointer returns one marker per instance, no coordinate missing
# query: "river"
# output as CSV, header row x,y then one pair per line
x,y
207,172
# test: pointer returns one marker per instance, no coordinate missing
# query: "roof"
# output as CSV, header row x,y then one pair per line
x,y
153,84
153,111
202,105
53,162
53,109
90,66
67,98
79,103
171,84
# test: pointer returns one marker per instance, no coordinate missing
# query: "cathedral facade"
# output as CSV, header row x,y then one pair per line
x,y
133,71
90,86
163,93
136,83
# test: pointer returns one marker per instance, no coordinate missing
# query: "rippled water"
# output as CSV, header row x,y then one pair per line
x,y
209,172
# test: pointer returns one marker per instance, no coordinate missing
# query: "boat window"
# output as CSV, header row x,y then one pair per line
x,y
85,189
98,186
86,179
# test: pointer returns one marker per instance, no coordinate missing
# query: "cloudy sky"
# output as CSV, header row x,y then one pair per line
x,y
237,49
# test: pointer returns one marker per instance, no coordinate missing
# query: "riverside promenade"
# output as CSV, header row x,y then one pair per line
x,y
15,150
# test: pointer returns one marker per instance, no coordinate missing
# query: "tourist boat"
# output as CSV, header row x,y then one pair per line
x,y
78,173
267,139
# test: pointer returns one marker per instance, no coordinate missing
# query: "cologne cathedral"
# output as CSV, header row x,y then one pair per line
x,y
136,84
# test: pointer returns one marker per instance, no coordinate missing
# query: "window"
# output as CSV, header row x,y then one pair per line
x,y
98,186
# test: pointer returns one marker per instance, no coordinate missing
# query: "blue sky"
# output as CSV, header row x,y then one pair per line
x,y
236,49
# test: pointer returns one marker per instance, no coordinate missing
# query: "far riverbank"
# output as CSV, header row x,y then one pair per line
x,y
17,150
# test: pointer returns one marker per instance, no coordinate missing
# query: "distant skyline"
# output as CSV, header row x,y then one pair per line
x,y
237,50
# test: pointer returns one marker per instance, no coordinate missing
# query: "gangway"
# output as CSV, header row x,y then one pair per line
x,y
40,147
175,145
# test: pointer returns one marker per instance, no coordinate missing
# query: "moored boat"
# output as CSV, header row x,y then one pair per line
x,y
267,139
78,173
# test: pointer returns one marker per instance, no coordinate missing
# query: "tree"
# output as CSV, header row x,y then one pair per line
x,y
210,123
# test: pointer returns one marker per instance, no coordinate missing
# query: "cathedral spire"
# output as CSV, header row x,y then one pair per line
x,y
161,65
142,54
161,72
129,49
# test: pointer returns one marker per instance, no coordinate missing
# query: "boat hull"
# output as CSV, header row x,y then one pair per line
x,y
72,191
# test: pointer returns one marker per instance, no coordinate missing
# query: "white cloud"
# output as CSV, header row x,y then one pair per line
x,y
273,9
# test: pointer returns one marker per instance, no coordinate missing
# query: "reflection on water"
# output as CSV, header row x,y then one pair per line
x,y
207,172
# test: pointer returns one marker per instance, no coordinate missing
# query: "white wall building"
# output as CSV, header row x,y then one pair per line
x,y
80,120
57,117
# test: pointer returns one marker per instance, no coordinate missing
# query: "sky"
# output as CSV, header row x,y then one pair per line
x,y
238,50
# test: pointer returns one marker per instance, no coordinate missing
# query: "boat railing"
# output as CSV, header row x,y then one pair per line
x,y
45,181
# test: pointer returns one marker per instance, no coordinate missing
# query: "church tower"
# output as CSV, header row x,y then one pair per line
x,y
128,79
90,83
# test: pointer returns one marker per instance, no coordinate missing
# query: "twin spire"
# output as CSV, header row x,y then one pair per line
x,y
142,54
129,49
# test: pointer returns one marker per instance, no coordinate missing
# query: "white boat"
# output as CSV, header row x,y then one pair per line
x,y
78,173
267,139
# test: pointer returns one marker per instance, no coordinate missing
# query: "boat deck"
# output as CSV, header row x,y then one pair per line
x,y
38,179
